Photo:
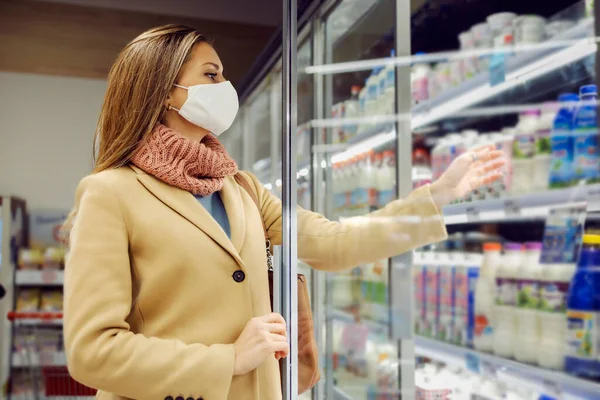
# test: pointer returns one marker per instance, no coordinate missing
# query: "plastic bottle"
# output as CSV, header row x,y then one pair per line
x,y
543,147
466,273
421,170
585,131
390,87
444,329
387,178
419,262
563,143
485,291
506,300
362,108
436,159
583,313
351,110
419,79
372,93
523,152
527,305
432,297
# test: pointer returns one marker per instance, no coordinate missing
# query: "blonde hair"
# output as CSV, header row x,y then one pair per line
x,y
139,82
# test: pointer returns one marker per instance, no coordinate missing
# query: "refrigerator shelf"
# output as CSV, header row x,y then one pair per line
x,y
551,383
39,278
521,208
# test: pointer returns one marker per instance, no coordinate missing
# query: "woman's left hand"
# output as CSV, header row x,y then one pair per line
x,y
468,172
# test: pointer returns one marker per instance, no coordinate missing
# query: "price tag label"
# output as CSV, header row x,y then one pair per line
x,y
472,214
48,276
512,208
552,389
472,362
487,369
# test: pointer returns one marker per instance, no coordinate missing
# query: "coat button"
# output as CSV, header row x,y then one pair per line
x,y
169,398
239,276
190,398
178,398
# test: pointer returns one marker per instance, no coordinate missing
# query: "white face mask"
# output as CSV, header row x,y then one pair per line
x,y
211,106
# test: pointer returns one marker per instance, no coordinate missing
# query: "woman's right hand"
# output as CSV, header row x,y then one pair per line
x,y
262,337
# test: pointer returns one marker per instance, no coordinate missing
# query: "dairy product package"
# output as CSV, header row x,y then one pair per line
x,y
419,291
562,143
446,297
585,131
464,278
431,299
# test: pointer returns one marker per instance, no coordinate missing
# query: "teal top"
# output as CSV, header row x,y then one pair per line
x,y
215,207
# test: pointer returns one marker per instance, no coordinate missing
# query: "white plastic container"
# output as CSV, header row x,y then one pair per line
x,y
554,286
432,294
372,94
529,29
352,110
419,82
484,39
444,329
485,292
506,300
543,147
468,64
390,89
386,178
528,333
523,152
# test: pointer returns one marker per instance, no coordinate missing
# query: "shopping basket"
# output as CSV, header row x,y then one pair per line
x,y
38,360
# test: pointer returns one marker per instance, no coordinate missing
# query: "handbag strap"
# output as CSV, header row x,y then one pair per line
x,y
243,182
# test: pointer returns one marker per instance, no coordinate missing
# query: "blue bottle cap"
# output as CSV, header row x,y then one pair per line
x,y
393,53
588,89
568,97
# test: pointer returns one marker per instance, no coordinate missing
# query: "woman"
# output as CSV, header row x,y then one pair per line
x,y
166,292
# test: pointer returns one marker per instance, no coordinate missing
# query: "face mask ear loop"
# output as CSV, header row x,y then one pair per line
x,y
170,107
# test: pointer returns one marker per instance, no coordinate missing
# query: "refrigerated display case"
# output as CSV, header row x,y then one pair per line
x,y
397,91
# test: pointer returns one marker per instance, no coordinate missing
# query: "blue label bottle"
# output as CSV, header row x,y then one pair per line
x,y
583,313
562,142
585,130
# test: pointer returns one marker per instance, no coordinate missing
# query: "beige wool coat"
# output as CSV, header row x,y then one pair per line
x,y
154,298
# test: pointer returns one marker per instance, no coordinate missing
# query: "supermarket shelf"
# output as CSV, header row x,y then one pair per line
x,y
50,359
522,67
550,383
526,207
39,277
36,318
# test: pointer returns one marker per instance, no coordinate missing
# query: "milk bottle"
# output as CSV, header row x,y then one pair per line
x,y
527,304
444,331
387,178
485,291
351,110
506,300
543,147
523,152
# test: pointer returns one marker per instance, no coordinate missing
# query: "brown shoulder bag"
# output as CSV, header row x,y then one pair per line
x,y
308,359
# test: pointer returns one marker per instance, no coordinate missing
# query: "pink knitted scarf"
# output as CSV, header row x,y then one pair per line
x,y
196,166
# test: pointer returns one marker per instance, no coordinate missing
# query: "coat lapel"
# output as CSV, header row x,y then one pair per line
x,y
234,205
186,205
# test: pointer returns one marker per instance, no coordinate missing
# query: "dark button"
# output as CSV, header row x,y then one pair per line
x,y
238,276
190,398
169,398
178,398
199,398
